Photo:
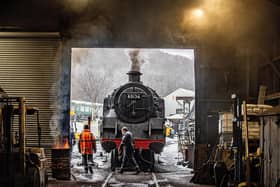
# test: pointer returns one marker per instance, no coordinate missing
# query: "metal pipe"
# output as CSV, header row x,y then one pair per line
x,y
237,136
39,129
29,34
247,158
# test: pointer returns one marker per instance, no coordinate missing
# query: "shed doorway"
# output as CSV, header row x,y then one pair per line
x,y
97,72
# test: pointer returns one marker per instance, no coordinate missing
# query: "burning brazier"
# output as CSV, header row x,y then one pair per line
x,y
61,154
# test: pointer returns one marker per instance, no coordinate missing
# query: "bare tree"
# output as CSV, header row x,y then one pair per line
x,y
93,86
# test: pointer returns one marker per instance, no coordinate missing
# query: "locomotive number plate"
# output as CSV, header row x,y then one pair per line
x,y
134,96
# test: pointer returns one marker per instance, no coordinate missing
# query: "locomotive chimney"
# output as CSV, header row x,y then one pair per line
x,y
134,76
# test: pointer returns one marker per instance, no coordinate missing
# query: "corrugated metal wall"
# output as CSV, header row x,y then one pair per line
x,y
29,67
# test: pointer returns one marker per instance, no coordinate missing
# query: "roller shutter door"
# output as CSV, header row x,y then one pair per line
x,y
29,67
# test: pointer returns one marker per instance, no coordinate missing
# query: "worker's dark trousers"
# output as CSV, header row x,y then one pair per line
x,y
86,159
128,154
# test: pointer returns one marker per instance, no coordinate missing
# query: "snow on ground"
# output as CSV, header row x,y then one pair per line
x,y
165,163
170,156
100,168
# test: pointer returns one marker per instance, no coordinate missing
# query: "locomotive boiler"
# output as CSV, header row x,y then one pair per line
x,y
141,110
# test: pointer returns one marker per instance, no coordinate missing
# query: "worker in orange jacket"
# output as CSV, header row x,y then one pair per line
x,y
87,146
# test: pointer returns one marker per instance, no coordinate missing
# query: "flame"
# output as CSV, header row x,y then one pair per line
x,y
66,144
62,144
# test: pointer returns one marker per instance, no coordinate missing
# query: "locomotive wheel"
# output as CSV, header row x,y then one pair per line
x,y
114,159
147,158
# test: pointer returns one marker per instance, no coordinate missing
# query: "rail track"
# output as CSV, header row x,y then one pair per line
x,y
148,179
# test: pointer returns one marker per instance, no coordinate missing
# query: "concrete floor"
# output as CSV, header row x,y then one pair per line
x,y
170,182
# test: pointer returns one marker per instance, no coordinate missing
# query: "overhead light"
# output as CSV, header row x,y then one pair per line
x,y
198,12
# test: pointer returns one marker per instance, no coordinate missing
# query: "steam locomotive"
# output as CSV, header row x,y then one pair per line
x,y
141,110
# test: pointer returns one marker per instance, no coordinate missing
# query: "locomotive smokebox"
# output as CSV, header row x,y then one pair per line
x,y
134,76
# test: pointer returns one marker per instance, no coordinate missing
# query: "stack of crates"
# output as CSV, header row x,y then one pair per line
x,y
225,124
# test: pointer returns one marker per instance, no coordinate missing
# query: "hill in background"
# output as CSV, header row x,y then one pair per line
x,y
97,72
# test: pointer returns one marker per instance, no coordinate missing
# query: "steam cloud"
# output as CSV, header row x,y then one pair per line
x,y
136,60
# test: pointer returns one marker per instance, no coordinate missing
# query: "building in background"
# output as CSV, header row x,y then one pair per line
x,y
82,110
173,106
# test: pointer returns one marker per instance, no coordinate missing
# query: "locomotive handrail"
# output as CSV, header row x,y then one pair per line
x,y
150,128
116,128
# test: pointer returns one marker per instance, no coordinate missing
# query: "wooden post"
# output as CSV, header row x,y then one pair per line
x,y
262,93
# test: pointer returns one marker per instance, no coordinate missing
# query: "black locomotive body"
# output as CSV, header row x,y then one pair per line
x,y
141,110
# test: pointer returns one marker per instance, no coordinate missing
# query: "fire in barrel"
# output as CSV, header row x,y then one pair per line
x,y
61,160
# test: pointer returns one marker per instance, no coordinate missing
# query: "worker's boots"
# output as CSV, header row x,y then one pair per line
x,y
86,170
90,170
137,170
121,171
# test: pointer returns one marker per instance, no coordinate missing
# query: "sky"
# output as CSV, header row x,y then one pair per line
x,y
189,53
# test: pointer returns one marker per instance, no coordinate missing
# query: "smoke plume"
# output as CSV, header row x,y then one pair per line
x,y
136,60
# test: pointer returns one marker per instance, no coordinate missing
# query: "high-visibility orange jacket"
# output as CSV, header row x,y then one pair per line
x,y
87,143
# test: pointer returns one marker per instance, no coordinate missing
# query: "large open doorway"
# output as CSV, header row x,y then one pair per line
x,y
97,72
